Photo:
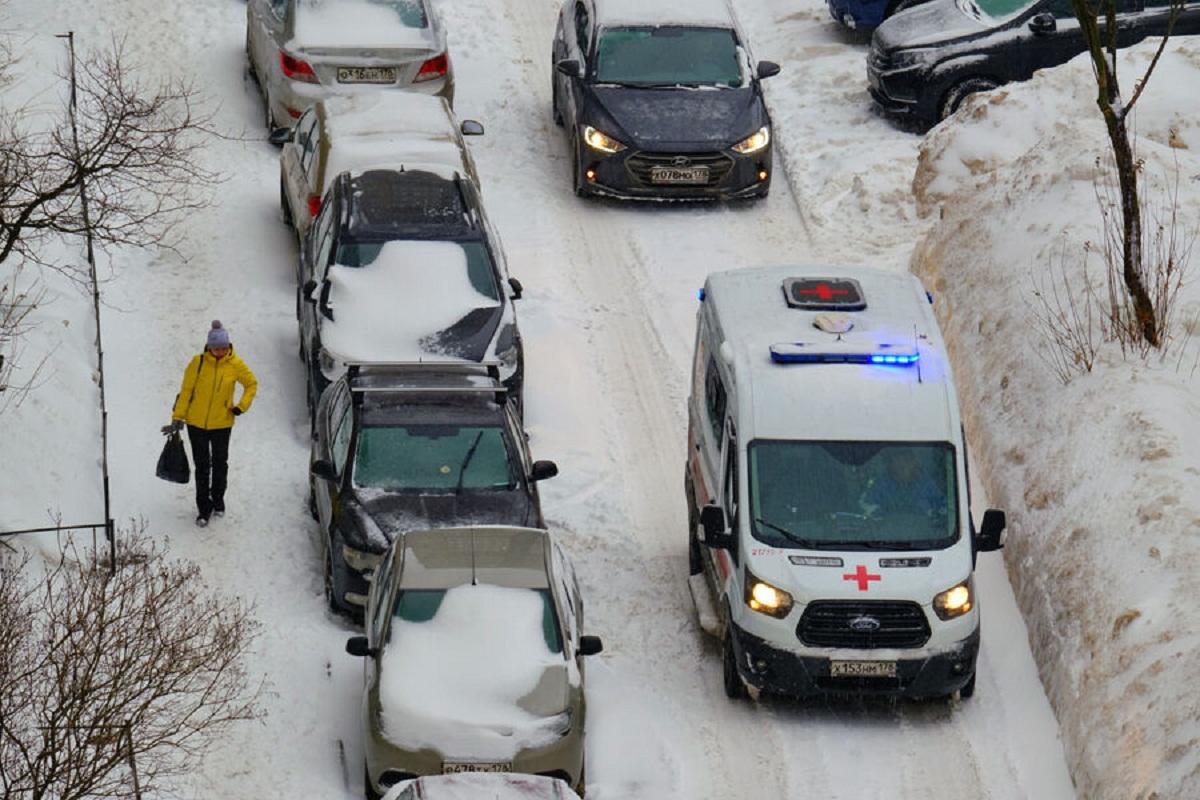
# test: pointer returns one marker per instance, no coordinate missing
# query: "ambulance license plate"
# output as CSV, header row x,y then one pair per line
x,y
455,767
862,669
366,74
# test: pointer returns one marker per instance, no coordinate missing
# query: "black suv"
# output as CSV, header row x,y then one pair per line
x,y
403,266
414,447
661,105
925,61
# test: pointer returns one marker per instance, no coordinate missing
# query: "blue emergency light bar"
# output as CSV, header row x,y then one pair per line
x,y
801,353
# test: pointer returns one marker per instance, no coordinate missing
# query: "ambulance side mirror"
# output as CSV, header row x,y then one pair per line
x,y
716,532
990,533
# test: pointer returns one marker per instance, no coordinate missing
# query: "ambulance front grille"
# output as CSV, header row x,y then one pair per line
x,y
846,623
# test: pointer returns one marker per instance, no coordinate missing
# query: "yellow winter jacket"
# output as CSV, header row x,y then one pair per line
x,y
206,397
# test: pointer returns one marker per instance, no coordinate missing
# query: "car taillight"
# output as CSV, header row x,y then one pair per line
x,y
314,205
296,69
434,68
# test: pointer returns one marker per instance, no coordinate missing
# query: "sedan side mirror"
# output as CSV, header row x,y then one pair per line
x,y
589,645
767,69
1043,23
309,288
543,470
716,531
569,67
357,646
324,470
470,127
517,288
991,531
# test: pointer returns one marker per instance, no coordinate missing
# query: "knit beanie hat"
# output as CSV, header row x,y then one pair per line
x,y
217,336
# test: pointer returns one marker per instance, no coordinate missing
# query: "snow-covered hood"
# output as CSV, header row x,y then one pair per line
x,y
392,513
683,117
933,23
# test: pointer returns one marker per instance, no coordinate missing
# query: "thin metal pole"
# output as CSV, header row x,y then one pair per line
x,y
137,787
109,531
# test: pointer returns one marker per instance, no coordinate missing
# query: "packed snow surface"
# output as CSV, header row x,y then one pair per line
x,y
461,683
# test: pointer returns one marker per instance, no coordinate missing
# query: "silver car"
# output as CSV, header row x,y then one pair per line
x,y
301,51
473,658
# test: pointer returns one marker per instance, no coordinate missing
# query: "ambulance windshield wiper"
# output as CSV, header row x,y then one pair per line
x,y
792,536
878,544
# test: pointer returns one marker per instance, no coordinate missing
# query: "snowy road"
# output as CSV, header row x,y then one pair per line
x,y
607,319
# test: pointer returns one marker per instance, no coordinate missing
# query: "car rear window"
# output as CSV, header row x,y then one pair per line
x,y
421,605
433,458
668,56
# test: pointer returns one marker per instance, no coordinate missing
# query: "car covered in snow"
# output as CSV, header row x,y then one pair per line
x,y
396,130
660,100
301,51
831,542
476,785
473,658
403,266
926,61
415,446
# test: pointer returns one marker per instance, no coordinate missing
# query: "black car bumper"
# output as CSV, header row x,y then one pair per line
x,y
638,174
768,668
902,93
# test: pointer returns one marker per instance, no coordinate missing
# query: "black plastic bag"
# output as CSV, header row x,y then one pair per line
x,y
173,464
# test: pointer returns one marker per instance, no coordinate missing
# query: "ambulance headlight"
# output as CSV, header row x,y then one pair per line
x,y
767,599
955,601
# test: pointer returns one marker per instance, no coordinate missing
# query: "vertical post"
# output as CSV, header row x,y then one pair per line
x,y
137,787
91,259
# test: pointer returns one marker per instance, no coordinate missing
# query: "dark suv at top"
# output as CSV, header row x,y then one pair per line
x,y
414,447
403,266
660,102
925,61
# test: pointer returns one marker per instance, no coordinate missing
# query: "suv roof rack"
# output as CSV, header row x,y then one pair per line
x,y
471,378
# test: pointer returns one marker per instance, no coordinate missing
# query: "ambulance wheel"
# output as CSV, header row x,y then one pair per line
x,y
735,688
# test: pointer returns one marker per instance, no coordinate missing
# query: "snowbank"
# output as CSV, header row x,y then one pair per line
x,y
1099,476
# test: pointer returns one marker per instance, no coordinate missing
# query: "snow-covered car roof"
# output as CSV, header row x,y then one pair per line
x,y
664,12
362,23
478,785
838,401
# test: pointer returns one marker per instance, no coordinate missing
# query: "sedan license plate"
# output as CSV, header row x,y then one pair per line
x,y
366,74
454,767
862,669
689,175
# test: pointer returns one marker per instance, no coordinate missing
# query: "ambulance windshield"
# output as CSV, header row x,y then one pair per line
x,y
853,495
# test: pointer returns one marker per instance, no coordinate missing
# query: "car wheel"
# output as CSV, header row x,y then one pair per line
x,y
269,117
954,98
368,789
329,581
735,688
285,206
576,177
312,503
554,110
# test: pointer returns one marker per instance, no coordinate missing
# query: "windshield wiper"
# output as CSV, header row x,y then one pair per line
x,y
789,534
877,544
462,470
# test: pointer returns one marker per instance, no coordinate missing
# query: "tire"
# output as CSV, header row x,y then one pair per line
x,y
368,790
968,689
954,97
285,206
312,503
328,581
735,688
576,178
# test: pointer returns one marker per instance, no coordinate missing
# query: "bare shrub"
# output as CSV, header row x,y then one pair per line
x,y
18,299
101,672
1065,318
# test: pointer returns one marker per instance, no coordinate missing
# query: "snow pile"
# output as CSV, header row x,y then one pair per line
x,y
435,690
1099,477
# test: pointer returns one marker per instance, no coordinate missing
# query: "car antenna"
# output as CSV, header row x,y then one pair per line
x,y
917,350
474,577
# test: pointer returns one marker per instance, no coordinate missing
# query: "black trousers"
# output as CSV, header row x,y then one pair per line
x,y
210,451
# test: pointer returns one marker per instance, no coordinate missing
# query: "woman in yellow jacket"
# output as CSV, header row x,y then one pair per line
x,y
205,403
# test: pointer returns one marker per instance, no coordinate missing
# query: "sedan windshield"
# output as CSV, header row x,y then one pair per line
x,y
668,56
853,495
433,458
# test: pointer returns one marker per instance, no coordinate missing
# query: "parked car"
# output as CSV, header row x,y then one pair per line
x,y
492,785
660,101
473,658
866,15
413,447
403,266
396,130
301,51
926,61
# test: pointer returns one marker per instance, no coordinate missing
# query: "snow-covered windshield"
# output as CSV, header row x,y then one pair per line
x,y
422,605
853,495
668,56
447,256
433,458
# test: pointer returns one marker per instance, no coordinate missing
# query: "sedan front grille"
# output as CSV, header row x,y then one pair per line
x,y
641,164
878,624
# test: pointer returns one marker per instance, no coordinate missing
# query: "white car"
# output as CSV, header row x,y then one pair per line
x,y
478,785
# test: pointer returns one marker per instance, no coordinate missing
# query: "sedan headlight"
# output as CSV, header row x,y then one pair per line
x,y
767,599
755,141
907,59
599,140
955,601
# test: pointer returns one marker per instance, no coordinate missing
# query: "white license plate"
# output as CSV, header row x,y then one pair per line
x,y
366,74
862,669
679,174
453,767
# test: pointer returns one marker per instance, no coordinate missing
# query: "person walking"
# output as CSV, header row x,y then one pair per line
x,y
205,404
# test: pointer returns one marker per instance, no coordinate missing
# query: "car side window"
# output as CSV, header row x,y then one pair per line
x,y
730,493
279,8
343,427
582,23
715,399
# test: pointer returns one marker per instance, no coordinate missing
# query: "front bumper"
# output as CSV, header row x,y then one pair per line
x,y
900,92
626,175
936,674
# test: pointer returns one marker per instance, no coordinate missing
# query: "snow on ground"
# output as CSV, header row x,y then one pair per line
x,y
1099,476
607,319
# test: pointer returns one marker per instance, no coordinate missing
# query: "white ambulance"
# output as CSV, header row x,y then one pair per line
x,y
831,544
